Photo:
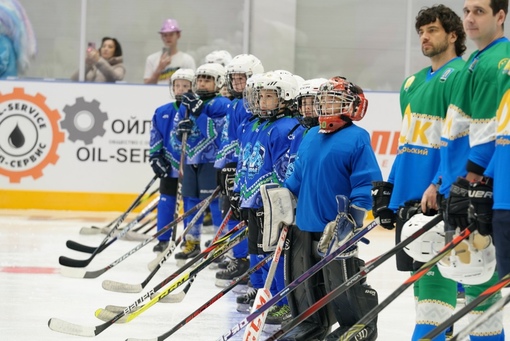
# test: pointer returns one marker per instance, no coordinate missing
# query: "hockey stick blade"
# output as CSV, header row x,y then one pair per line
x,y
80,247
107,315
90,230
62,326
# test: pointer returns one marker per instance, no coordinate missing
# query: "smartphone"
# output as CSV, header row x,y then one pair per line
x,y
165,50
92,45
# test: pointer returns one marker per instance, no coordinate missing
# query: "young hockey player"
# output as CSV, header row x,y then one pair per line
x,y
424,98
201,115
263,145
164,159
239,70
332,177
467,145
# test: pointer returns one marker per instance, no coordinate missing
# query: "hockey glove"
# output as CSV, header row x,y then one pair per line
x,y
184,126
381,195
192,103
457,204
159,166
480,206
227,177
235,202
338,232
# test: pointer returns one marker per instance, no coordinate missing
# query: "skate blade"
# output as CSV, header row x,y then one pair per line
x,y
243,308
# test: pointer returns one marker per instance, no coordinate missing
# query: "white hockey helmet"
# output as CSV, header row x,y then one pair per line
x,y
248,94
186,74
429,243
214,70
300,80
472,262
219,56
246,64
285,86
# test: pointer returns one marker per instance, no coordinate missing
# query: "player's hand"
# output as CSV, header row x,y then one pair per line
x,y
159,166
381,195
192,103
184,126
457,204
480,206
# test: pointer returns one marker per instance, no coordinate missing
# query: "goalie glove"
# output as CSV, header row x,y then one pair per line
x,y
338,232
381,195
480,206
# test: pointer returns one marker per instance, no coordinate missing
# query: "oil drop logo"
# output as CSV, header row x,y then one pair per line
x,y
29,135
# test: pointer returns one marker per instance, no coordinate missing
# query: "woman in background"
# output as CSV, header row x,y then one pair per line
x,y
105,64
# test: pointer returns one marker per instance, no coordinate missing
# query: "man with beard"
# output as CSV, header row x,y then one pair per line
x,y
411,186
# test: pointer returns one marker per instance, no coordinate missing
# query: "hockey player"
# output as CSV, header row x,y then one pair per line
x,y
424,98
496,222
201,115
222,57
164,159
263,146
335,160
468,136
239,70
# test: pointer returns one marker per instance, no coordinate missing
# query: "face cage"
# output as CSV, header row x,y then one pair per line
x,y
205,93
341,104
299,104
252,97
230,85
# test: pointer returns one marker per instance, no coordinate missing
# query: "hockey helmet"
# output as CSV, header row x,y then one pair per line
x,y
308,89
185,74
429,243
215,71
246,64
219,56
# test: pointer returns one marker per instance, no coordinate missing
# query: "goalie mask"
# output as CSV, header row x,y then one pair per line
x,y
339,102
472,262
214,71
182,74
428,244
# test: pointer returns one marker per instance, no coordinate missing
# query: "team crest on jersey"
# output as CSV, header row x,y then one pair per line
x,y
408,83
446,74
506,69
503,63
256,159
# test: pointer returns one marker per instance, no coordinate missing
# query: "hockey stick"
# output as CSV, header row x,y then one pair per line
x,y
253,331
134,310
303,277
207,304
494,309
82,273
106,229
177,282
492,290
85,262
119,233
180,296
135,288
352,333
139,236
369,267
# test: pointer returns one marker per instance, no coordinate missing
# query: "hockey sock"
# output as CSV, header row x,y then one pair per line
x,y
190,202
436,300
492,329
256,278
166,208
216,212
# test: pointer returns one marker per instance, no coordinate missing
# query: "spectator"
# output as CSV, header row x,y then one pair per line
x,y
160,66
105,64
17,40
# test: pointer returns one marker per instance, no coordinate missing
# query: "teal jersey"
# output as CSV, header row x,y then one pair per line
x,y
424,99
469,130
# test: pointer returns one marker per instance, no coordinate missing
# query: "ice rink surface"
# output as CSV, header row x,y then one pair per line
x,y
33,290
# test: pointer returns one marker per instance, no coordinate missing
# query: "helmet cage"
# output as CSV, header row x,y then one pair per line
x,y
185,74
246,64
213,70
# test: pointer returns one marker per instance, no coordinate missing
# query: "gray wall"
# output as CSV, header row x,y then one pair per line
x,y
364,40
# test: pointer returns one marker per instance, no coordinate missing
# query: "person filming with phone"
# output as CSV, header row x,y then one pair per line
x,y
161,65
103,65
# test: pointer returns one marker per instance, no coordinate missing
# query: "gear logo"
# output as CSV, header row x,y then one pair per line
x,y
29,135
84,120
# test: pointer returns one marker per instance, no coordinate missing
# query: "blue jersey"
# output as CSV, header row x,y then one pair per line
x,y
204,140
229,144
420,135
327,165
469,130
263,146
295,136
160,141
